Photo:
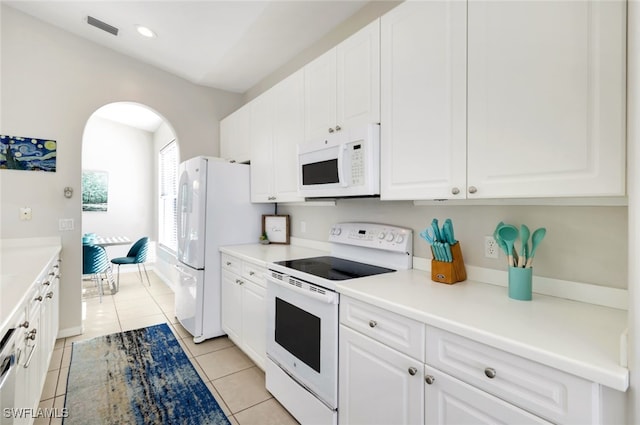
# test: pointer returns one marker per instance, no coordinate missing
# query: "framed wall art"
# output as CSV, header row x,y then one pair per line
x,y
27,153
95,190
276,227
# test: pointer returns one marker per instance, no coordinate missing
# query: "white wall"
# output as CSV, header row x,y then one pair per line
x,y
127,155
51,82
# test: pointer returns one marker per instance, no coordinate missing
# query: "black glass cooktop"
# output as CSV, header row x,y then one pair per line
x,y
333,268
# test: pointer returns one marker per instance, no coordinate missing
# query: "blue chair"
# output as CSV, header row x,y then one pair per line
x,y
137,255
96,263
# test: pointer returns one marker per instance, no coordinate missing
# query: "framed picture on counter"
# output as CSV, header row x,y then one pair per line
x,y
276,227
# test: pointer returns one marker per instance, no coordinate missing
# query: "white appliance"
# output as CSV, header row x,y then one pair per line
x,y
213,209
302,314
344,164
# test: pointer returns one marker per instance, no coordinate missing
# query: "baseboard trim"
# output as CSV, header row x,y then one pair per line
x,y
67,332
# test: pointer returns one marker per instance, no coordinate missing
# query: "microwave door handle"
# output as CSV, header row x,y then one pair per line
x,y
341,177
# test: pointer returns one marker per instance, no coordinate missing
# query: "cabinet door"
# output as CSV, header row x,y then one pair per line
x,y
231,309
358,78
449,401
288,131
261,134
234,136
377,385
254,328
423,96
546,98
320,96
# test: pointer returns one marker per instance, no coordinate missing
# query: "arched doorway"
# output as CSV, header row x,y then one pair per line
x,y
121,147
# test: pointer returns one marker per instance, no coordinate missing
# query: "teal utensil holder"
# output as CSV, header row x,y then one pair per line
x,y
520,283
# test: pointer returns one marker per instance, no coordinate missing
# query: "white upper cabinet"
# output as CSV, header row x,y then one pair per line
x,y
546,98
277,126
503,99
423,95
234,136
342,87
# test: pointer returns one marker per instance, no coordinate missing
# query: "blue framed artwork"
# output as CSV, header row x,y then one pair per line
x,y
95,190
27,153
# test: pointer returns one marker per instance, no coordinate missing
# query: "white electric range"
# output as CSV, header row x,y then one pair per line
x,y
302,313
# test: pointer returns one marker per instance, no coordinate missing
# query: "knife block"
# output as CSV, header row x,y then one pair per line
x,y
453,272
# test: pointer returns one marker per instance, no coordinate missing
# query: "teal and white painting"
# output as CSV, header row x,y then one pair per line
x,y
27,153
95,190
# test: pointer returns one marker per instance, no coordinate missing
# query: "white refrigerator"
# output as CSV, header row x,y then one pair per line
x,y
213,209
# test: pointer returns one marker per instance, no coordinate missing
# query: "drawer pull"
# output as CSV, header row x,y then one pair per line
x,y
490,372
50,294
413,371
373,323
252,273
46,283
239,282
228,263
38,298
25,324
429,379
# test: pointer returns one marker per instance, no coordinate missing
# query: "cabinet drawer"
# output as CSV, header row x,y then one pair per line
x,y
254,273
542,390
403,334
230,263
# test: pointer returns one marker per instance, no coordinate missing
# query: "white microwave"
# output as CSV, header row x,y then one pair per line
x,y
344,164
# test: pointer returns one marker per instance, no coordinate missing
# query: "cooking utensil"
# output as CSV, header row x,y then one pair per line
x,y
536,238
436,230
499,240
447,228
524,240
509,234
434,245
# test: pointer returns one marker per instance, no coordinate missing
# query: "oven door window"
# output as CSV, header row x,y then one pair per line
x,y
322,172
298,332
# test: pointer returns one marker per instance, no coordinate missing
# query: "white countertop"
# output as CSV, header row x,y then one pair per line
x,y
579,338
21,262
264,254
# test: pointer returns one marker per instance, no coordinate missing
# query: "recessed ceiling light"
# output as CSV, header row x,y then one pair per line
x,y
145,32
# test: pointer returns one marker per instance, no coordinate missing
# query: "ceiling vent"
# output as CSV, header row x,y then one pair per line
x,y
102,25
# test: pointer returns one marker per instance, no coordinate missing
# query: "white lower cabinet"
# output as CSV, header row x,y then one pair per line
x,y
377,384
450,401
453,380
243,306
40,330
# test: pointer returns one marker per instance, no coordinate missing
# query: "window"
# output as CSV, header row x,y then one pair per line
x,y
168,170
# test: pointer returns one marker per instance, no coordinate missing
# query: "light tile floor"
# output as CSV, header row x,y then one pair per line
x,y
235,381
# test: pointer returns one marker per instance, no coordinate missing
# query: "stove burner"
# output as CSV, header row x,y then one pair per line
x,y
333,268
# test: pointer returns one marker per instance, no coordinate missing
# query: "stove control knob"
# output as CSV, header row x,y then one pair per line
x,y
390,237
399,238
381,235
337,231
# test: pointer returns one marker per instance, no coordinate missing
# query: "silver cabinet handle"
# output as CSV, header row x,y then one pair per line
x,y
32,334
331,130
373,323
413,371
271,198
429,379
46,283
252,273
338,128
473,189
455,190
50,294
490,372
228,263
38,298
239,282
25,324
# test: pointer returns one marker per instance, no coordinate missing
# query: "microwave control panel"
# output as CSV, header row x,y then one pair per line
x,y
357,154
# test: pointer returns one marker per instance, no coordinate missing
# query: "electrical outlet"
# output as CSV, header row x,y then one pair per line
x,y
490,247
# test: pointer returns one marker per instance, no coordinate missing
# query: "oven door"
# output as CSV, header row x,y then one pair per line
x,y
302,335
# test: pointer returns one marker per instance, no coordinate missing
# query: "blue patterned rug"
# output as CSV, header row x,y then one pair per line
x,y
137,377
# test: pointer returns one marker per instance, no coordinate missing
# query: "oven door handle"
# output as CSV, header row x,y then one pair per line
x,y
328,297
